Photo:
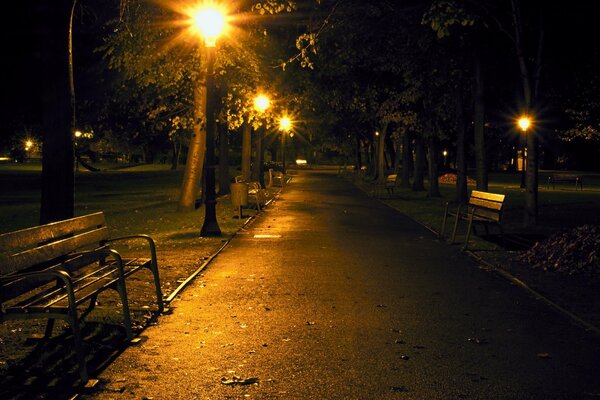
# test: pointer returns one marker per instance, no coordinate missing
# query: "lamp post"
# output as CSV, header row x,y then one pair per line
x,y
524,122
285,124
210,22
261,105
77,135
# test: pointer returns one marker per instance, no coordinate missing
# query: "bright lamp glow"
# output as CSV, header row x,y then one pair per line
x,y
261,103
524,123
209,21
285,124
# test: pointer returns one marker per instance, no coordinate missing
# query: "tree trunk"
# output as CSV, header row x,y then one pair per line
x,y
57,197
418,181
246,150
406,159
390,150
224,179
359,157
380,174
479,111
176,153
434,187
258,173
194,165
461,162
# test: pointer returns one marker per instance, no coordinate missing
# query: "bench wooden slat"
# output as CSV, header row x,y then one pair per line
x,y
31,237
51,251
488,196
493,205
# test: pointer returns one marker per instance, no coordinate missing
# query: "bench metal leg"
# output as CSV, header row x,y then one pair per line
x,y
90,306
78,340
469,230
126,316
49,328
455,224
154,263
443,229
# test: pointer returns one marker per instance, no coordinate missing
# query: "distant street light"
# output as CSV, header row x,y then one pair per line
x,y
77,135
210,21
524,123
285,125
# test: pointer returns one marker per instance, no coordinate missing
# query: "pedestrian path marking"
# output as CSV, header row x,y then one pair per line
x,y
266,236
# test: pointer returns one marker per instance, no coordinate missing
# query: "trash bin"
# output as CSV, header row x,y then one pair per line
x,y
239,196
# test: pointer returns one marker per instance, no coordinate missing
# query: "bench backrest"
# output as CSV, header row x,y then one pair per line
x,y
49,244
487,205
567,177
391,178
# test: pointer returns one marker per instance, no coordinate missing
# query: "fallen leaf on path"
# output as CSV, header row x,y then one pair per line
x,y
477,340
236,380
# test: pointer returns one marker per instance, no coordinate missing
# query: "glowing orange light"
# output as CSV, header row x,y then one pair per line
x,y
209,20
524,123
261,103
285,124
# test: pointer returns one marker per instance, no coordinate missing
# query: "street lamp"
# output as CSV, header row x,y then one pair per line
x,y
261,105
77,135
209,21
524,123
285,125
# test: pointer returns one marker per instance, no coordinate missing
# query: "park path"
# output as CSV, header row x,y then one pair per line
x,y
330,294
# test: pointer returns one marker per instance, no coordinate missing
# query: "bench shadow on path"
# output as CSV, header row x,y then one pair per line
x,y
50,369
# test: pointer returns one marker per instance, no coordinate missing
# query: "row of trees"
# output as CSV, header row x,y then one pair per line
x,y
421,73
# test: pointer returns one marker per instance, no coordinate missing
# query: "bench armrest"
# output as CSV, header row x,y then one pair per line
x,y
147,238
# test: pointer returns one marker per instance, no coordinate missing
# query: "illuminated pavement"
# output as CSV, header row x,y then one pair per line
x,y
332,295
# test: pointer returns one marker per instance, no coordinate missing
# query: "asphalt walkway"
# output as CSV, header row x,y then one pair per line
x,y
330,294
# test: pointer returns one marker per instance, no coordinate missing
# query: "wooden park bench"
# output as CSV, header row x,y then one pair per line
x,y
256,192
276,178
571,178
49,271
483,208
387,186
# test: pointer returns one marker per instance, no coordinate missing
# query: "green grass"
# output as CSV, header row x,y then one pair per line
x,y
141,199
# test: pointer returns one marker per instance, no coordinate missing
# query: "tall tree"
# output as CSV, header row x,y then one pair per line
x,y
57,157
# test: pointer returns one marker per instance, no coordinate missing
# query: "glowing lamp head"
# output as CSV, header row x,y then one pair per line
x,y
524,123
376,133
209,21
28,144
285,124
78,134
261,103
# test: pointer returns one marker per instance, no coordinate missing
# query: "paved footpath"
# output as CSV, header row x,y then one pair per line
x,y
330,294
